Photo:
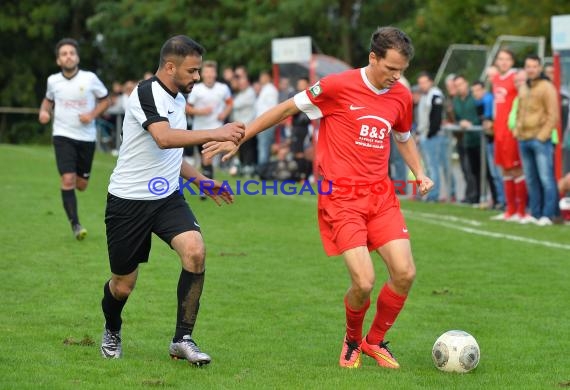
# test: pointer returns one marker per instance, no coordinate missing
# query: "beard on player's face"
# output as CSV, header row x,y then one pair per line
x,y
68,68
182,86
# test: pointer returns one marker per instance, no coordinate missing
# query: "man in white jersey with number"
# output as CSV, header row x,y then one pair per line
x,y
75,98
144,195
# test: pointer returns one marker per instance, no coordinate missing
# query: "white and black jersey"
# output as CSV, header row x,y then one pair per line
x,y
144,171
430,113
73,97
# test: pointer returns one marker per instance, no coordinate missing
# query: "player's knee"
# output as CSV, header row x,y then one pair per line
x,y
193,257
81,185
405,278
122,289
363,286
68,181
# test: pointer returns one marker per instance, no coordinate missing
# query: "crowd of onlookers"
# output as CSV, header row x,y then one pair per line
x,y
508,119
284,152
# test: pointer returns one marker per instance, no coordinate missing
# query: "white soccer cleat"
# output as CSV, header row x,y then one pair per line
x,y
188,350
111,344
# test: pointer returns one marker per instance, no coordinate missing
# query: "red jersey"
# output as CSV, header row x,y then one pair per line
x,y
356,122
504,92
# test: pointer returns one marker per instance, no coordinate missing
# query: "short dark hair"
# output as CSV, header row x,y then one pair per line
x,y
508,51
385,38
66,41
533,57
425,74
479,83
179,46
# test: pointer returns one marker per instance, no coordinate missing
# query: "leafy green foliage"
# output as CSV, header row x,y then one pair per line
x,y
120,39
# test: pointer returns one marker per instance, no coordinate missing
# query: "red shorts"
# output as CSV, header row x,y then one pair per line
x,y
507,151
353,216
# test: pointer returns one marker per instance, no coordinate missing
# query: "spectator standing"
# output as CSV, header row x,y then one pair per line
x,y
244,111
484,103
465,111
268,98
537,116
434,143
210,103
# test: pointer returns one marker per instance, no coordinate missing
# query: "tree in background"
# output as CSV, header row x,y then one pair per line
x,y
119,38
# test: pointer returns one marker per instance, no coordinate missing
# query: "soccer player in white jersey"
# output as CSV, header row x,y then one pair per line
x,y
144,195
75,98
210,103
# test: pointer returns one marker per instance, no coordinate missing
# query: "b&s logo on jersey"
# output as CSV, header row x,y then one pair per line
x,y
373,131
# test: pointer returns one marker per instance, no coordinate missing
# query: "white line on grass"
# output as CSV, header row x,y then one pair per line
x,y
435,219
450,218
445,221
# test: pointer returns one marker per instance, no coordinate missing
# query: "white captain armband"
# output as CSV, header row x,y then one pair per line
x,y
402,137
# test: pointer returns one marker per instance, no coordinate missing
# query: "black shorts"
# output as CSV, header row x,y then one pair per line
x,y
73,156
130,224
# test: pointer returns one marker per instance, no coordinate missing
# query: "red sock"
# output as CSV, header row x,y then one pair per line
x,y
388,307
510,195
521,194
354,320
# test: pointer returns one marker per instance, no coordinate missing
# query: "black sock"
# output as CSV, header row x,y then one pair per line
x,y
189,291
112,309
70,205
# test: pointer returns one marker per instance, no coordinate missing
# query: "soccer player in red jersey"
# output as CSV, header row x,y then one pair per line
x,y
506,146
359,110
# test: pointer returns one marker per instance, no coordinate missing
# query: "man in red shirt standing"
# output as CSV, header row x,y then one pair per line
x,y
359,110
506,146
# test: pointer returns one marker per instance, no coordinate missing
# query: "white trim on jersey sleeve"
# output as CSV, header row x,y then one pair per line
x,y
49,91
99,89
402,137
305,104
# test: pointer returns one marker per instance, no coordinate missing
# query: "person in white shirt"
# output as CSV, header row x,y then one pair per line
x,y
244,111
268,98
210,103
74,98
145,195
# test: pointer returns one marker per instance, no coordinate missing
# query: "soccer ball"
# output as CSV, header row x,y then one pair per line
x,y
455,351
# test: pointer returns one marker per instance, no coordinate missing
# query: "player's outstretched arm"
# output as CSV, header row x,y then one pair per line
x,y
409,152
212,188
266,120
168,138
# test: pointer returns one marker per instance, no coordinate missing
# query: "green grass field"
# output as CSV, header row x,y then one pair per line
x,y
272,313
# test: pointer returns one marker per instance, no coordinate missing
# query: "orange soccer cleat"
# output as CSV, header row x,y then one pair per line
x,y
380,353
